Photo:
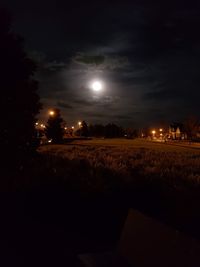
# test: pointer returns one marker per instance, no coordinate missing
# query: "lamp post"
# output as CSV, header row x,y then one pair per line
x,y
153,133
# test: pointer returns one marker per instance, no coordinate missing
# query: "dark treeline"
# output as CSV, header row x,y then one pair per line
x,y
109,130
56,131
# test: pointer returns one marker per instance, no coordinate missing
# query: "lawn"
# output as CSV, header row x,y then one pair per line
x,y
133,143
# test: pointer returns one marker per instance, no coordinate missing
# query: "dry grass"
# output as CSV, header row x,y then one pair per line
x,y
133,159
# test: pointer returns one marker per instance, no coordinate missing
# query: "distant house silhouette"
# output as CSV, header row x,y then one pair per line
x,y
177,132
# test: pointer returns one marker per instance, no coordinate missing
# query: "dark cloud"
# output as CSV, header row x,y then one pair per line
x,y
101,62
44,65
108,118
162,95
123,117
81,102
95,101
94,115
89,59
64,105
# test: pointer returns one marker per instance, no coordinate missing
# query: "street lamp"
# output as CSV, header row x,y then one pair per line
x,y
153,133
79,124
51,113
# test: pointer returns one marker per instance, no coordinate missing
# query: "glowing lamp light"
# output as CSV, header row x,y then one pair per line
x,y
153,132
72,127
161,130
51,113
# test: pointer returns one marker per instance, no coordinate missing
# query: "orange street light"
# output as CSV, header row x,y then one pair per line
x,y
161,130
72,127
51,113
153,132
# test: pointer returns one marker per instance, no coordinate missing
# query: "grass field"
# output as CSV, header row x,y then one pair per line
x,y
139,143
129,144
176,165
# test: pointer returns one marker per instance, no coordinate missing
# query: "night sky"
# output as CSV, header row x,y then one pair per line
x,y
145,53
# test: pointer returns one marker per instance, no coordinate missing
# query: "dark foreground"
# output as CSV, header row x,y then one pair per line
x,y
51,229
58,208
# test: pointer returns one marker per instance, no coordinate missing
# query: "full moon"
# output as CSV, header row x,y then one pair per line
x,y
96,86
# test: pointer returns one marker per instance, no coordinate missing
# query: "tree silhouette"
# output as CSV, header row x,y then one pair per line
x,y
84,129
131,133
113,131
19,101
191,127
96,130
54,128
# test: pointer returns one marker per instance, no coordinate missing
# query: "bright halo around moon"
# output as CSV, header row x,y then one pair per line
x,y
97,86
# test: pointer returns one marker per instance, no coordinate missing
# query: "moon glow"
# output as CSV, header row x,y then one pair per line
x,y
97,86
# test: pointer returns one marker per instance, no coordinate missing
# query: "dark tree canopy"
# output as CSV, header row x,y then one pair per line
x,y
113,131
19,101
97,130
191,126
84,129
54,127
109,131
